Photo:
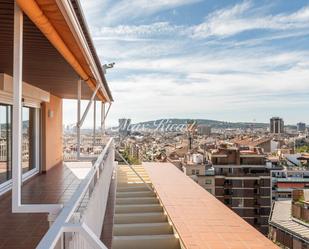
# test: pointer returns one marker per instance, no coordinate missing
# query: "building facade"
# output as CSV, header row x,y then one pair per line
x,y
284,181
301,127
203,130
242,182
124,126
276,125
200,171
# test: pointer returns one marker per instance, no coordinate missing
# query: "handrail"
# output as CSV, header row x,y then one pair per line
x,y
61,223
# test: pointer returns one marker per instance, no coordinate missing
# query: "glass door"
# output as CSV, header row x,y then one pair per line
x,y
30,143
5,143
30,138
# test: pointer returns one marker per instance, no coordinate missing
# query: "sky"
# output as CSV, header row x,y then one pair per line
x,y
226,60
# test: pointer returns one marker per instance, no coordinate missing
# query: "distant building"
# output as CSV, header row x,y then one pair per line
x,y
200,171
124,126
266,143
203,130
276,125
301,127
243,183
288,223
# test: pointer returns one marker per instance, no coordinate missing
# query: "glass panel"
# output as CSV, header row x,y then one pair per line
x,y
28,142
5,143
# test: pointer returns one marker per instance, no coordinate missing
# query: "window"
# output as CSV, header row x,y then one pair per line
x,y
227,201
208,181
241,203
197,172
228,191
209,190
193,171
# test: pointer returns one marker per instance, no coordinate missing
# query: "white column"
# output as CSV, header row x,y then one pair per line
x,y
17,109
103,119
94,119
79,96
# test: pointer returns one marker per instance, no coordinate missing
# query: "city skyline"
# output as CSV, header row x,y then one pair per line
x,y
70,116
232,60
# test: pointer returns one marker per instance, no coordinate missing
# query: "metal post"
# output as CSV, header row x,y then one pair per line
x,y
79,95
94,119
103,119
17,108
88,106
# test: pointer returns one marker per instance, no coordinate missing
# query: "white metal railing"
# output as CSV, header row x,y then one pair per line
x,y
3,152
79,223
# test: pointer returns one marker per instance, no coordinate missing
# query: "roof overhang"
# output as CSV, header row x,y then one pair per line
x,y
57,48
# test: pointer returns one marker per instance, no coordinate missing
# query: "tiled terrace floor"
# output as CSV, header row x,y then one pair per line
x,y
24,231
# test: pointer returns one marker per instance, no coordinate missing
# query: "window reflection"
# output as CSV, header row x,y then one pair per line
x,y
28,141
5,143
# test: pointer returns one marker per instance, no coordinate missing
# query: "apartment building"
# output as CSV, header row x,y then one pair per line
x,y
242,182
276,125
285,180
200,171
203,130
301,127
289,221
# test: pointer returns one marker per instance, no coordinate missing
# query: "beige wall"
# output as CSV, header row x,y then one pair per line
x,y
51,133
207,182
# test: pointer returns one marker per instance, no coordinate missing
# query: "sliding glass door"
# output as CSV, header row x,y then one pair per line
x,y
30,142
5,143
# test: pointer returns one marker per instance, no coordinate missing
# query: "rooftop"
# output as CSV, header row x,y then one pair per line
x,y
281,217
199,218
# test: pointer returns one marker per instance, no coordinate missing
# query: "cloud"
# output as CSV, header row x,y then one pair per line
x,y
218,93
244,17
222,23
203,69
136,32
131,10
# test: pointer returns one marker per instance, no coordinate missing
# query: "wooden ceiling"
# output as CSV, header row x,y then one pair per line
x,y
43,66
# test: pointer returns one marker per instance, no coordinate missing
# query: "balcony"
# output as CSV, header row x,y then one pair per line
x,y
26,230
150,211
148,206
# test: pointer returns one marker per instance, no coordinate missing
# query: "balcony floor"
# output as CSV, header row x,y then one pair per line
x,y
26,230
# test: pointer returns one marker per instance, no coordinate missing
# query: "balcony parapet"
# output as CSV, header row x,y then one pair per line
x,y
79,222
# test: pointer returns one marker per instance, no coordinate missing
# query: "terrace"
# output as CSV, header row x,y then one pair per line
x,y
47,55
